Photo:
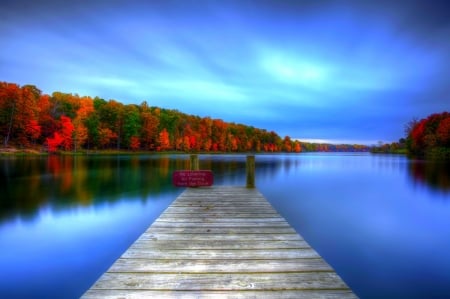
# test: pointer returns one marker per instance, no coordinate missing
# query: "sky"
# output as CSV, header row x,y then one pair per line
x,y
319,70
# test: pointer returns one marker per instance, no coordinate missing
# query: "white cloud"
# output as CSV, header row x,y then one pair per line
x,y
293,70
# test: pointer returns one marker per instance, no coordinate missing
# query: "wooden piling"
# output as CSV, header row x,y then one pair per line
x,y
194,162
250,171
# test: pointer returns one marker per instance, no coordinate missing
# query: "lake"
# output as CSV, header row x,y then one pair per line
x,y
381,221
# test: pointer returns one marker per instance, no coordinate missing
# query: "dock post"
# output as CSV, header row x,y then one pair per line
x,y
194,162
250,171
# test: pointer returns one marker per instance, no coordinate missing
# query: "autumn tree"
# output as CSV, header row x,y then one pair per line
x,y
164,140
297,146
149,127
169,120
80,133
205,133
111,117
219,135
106,137
64,104
63,137
54,142
287,144
187,139
9,97
443,132
19,113
30,113
429,137
135,143
67,129
47,121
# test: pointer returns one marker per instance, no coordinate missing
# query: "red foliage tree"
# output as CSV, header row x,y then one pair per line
x,y
443,132
19,113
54,142
67,129
135,143
431,134
46,120
106,137
33,129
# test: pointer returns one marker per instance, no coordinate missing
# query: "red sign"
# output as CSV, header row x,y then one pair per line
x,y
192,178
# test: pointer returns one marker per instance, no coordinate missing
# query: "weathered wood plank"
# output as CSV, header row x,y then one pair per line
x,y
223,230
201,219
156,253
225,281
213,214
220,242
296,294
227,203
240,238
194,209
246,224
220,266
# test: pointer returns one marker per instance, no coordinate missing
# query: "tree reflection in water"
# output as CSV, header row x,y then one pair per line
x,y
432,174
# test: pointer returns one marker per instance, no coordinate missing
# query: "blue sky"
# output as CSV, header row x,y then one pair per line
x,y
340,71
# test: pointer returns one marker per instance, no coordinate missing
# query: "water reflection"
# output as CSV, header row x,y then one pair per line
x,y
64,181
61,182
433,175
28,183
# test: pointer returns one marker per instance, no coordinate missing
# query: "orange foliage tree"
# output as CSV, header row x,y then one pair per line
x,y
135,143
80,131
164,141
149,128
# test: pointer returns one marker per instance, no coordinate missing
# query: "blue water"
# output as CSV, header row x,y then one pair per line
x,y
385,233
382,222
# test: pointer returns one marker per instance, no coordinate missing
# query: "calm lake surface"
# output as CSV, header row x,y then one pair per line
x,y
382,222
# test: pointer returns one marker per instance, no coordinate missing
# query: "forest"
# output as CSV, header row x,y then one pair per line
x,y
429,137
30,119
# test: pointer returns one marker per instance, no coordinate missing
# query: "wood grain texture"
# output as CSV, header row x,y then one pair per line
x,y
287,294
220,242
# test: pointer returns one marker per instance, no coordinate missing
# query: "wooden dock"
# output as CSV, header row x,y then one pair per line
x,y
220,242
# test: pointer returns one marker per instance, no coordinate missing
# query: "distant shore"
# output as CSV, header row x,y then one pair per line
x,y
11,151
37,151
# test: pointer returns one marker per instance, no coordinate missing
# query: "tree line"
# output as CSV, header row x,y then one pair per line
x,y
69,122
429,137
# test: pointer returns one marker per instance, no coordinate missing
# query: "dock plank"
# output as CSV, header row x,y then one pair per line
x,y
220,242
219,266
276,294
220,281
